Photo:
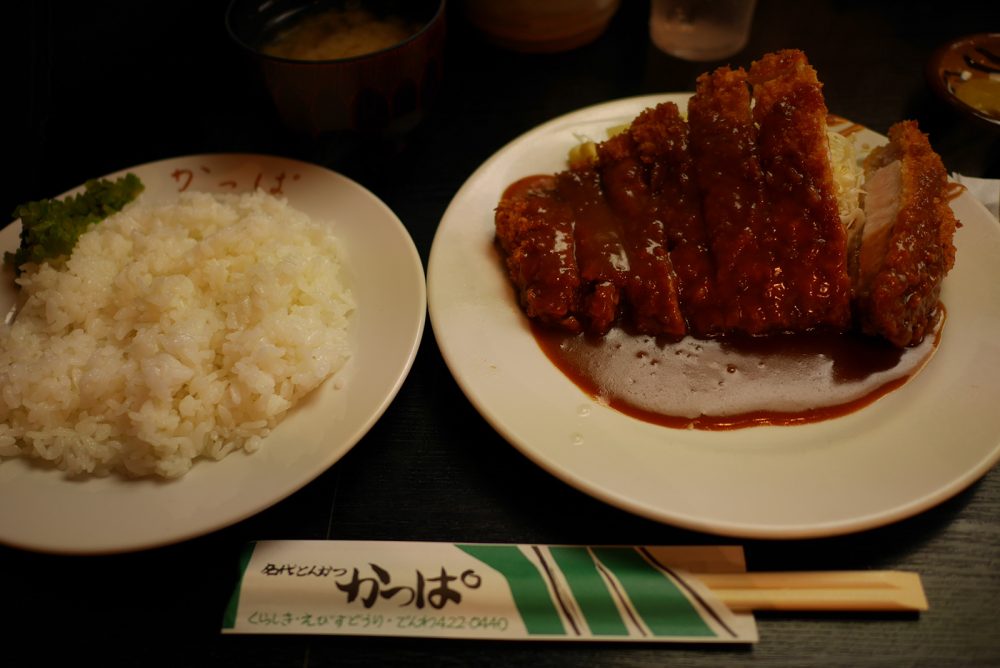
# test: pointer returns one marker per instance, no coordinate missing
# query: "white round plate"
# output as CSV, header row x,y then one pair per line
x,y
41,509
906,452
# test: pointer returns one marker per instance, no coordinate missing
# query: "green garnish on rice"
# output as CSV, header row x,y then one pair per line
x,y
51,227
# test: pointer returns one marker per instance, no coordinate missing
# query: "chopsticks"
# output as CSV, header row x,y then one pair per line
x,y
818,590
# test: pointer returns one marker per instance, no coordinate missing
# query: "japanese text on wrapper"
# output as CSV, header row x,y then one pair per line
x,y
376,583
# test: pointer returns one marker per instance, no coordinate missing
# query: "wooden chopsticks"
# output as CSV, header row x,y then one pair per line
x,y
818,590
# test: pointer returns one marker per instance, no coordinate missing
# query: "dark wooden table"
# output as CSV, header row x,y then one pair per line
x,y
98,87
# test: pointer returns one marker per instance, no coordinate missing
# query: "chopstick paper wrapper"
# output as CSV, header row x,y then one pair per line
x,y
533,592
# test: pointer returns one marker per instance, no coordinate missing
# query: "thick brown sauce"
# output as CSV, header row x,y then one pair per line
x,y
735,382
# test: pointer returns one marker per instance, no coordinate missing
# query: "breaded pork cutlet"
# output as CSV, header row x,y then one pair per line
x,y
734,204
806,237
735,221
906,246
659,140
653,305
534,231
600,249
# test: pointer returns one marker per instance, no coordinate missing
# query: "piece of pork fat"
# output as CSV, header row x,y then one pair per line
x,y
906,244
806,237
534,231
733,202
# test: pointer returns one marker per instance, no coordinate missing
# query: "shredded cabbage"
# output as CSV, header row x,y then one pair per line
x,y
847,179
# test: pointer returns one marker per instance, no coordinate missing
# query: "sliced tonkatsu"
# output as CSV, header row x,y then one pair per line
x,y
743,218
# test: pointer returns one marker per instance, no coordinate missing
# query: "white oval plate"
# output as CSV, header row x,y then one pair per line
x,y
42,510
905,453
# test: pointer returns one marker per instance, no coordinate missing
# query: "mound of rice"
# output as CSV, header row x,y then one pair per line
x,y
172,333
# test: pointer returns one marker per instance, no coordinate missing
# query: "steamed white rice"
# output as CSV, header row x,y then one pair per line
x,y
172,333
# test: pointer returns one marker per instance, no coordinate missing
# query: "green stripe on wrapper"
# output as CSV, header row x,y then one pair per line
x,y
229,618
531,595
590,591
663,607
